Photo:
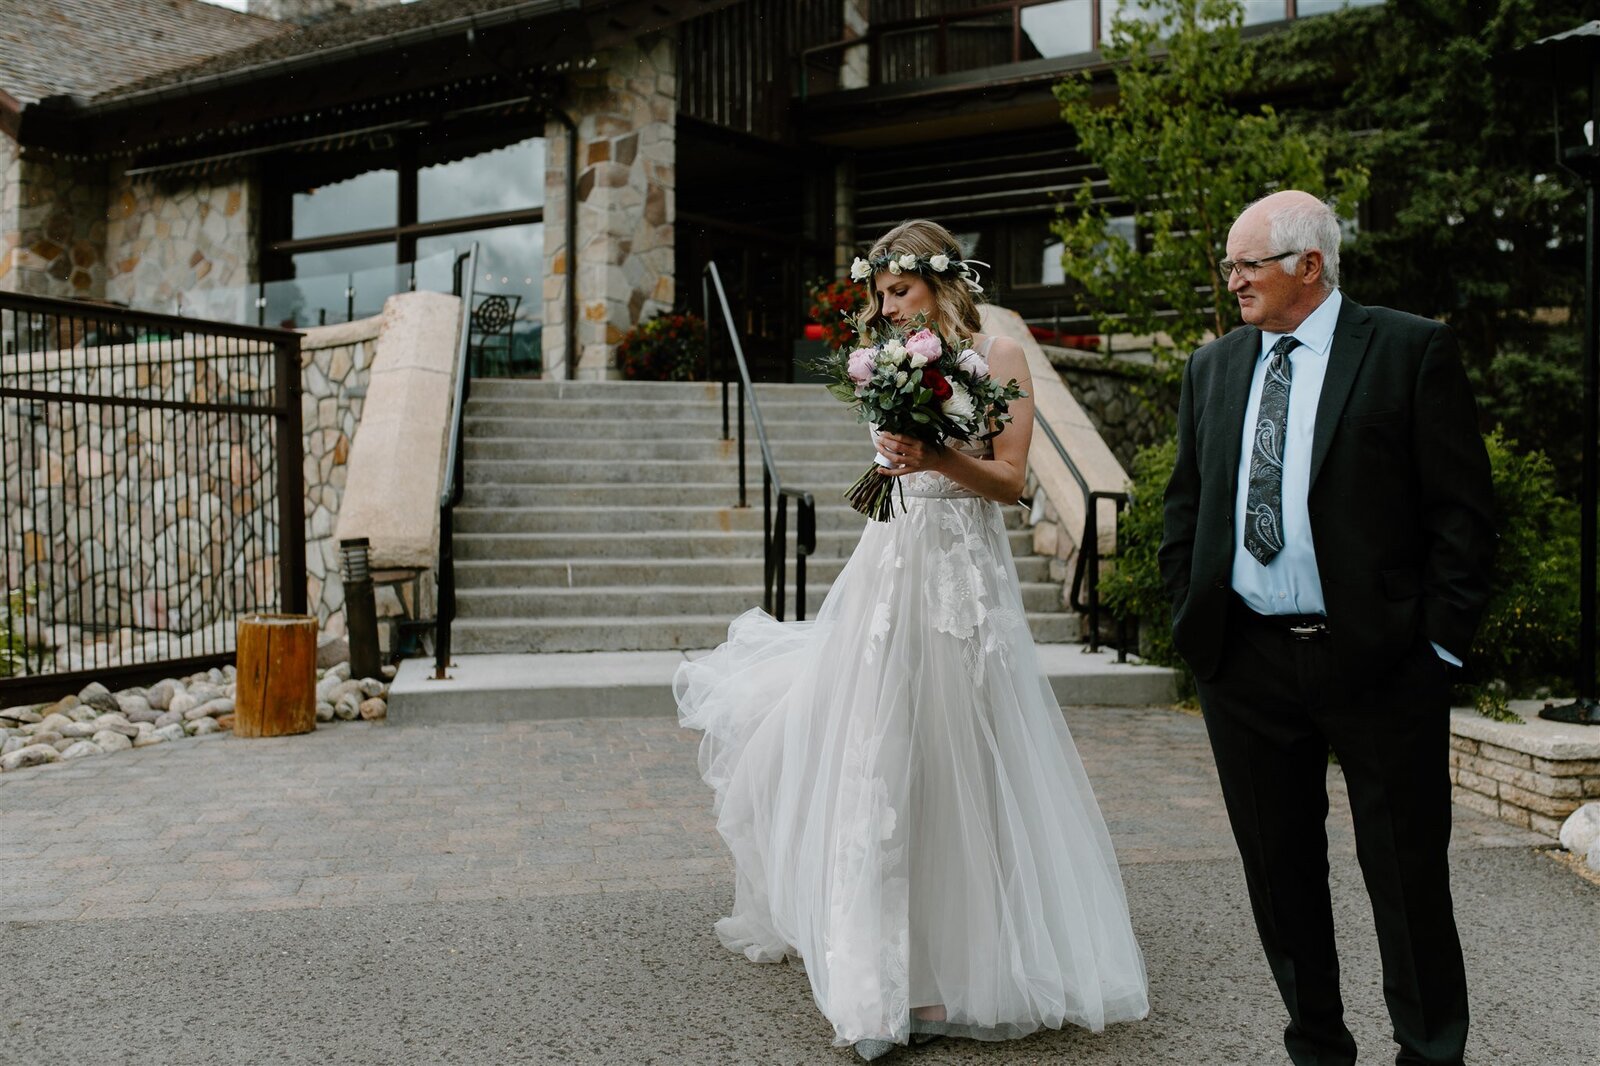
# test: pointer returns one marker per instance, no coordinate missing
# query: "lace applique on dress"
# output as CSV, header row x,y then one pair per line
x,y
868,944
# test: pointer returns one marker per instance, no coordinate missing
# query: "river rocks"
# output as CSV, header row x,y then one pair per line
x,y
100,698
52,723
61,707
32,755
136,708
117,724
99,721
110,740
161,693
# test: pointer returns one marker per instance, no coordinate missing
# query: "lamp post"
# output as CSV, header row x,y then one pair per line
x,y
1570,62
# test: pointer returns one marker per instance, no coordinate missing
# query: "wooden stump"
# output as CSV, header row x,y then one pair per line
x,y
277,682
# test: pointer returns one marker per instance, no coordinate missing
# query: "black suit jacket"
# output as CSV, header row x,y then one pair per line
x,y
1400,500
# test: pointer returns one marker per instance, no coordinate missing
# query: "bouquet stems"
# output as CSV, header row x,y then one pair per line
x,y
873,495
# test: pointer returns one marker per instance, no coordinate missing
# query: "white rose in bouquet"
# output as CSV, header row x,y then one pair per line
x,y
972,363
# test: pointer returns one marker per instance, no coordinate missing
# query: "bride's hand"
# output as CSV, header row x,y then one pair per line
x,y
907,455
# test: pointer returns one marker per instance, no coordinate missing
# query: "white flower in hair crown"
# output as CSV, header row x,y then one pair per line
x,y
910,263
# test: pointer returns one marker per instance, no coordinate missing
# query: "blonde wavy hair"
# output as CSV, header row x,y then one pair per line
x,y
955,311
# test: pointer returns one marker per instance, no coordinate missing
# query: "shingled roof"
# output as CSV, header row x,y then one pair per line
x,y
89,48
292,42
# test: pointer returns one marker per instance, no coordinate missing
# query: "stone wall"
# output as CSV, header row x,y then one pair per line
x,y
335,368
165,241
146,532
1532,774
58,238
625,107
1129,411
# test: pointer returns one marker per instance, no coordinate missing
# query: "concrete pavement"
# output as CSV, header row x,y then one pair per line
x,y
543,891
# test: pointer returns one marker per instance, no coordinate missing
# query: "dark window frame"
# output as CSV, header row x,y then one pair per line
x,y
406,153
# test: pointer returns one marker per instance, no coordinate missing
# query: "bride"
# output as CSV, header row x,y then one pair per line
x,y
905,807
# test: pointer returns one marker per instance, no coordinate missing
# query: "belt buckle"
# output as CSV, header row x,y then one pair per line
x,y
1308,630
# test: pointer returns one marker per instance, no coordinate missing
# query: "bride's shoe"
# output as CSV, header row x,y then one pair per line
x,y
873,1049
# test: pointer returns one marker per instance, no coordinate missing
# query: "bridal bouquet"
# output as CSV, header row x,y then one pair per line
x,y
909,380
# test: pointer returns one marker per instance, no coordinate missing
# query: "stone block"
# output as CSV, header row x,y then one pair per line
x,y
1533,801
1541,823
1506,755
1476,801
1475,782
1567,767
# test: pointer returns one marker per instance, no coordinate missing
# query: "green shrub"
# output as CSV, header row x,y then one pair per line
x,y
1529,636
1527,641
664,348
1133,590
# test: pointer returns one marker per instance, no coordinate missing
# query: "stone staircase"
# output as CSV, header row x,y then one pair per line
x,y
600,517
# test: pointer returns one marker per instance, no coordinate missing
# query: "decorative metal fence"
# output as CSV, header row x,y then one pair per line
x,y
151,491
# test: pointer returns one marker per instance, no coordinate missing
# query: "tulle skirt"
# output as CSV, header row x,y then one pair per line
x,y
905,808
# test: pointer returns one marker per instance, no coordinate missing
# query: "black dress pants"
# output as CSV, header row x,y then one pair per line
x,y
1272,711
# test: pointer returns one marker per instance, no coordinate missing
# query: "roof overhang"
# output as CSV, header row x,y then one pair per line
x,y
519,50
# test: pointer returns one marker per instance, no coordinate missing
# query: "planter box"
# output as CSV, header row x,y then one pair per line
x,y
1532,775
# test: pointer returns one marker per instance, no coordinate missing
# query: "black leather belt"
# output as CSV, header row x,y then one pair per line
x,y
1295,626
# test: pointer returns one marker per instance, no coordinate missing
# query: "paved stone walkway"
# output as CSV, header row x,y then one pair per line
x,y
591,843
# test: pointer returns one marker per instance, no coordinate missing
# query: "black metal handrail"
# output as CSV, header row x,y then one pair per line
x,y
1087,572
454,469
774,533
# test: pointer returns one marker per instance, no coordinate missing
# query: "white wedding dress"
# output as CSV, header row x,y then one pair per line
x,y
906,810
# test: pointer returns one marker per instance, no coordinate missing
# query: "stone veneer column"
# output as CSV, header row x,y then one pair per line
x,y
625,108
194,242
10,199
58,244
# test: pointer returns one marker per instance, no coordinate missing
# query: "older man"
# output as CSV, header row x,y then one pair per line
x,y
1327,551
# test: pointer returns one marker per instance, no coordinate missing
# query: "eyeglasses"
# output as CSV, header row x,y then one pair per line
x,y
1248,267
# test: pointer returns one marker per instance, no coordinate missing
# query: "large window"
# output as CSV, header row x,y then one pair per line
x,y
344,234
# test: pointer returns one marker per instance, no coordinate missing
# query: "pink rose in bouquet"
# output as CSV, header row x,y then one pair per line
x,y
861,364
925,345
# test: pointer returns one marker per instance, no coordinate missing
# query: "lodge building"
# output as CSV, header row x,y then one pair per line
x,y
297,163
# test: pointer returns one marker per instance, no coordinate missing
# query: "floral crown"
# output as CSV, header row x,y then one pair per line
x,y
910,263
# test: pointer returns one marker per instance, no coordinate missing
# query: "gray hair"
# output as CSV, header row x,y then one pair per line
x,y
1303,227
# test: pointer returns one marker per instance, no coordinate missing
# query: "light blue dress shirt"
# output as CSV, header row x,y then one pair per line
x,y
1290,583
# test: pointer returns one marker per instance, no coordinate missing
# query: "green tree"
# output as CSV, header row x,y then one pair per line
x,y
1468,219
1183,157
